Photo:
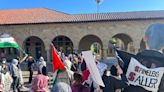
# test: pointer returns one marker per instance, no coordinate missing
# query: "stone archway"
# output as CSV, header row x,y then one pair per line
x,y
34,46
63,44
121,41
90,42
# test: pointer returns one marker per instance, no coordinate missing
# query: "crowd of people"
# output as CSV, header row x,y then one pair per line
x,y
11,79
75,78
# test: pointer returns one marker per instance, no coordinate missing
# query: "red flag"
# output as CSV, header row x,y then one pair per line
x,y
56,61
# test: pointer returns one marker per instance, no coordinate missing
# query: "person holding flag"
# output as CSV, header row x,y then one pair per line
x,y
62,72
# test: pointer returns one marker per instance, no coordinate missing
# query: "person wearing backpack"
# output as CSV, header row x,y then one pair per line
x,y
77,85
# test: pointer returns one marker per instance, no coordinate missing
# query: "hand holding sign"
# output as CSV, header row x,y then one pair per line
x,y
139,75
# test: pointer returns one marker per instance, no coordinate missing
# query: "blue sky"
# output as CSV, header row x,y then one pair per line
x,y
85,6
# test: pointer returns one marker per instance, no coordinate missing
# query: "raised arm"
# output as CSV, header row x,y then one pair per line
x,y
26,55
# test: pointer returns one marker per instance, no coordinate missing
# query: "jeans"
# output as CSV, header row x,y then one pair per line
x,y
15,83
30,77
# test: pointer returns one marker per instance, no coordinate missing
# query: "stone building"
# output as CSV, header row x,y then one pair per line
x,y
35,29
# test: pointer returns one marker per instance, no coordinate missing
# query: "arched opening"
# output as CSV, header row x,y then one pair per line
x,y
91,42
121,41
63,44
96,47
34,46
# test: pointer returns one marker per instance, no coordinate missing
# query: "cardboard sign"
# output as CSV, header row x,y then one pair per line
x,y
142,76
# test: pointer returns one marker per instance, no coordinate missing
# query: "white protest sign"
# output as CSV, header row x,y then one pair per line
x,y
91,65
142,76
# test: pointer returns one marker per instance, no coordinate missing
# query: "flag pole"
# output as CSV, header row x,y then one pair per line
x,y
54,48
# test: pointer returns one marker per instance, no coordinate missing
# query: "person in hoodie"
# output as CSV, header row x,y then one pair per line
x,y
15,75
21,81
40,82
67,75
42,61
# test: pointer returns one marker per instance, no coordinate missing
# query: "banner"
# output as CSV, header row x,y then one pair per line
x,y
142,76
91,65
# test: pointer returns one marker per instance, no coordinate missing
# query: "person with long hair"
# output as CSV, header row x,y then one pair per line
x,y
77,84
114,79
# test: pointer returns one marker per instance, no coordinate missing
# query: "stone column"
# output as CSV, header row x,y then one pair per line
x,y
48,55
137,45
75,48
48,50
105,47
104,53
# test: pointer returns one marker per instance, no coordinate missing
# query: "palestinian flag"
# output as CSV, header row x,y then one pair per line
x,y
56,63
6,41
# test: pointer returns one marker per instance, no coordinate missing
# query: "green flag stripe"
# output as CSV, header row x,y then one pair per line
x,y
9,44
58,71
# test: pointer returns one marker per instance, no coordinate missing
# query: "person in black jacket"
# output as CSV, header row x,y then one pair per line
x,y
114,80
31,62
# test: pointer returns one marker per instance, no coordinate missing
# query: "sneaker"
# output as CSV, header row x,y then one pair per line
x,y
23,88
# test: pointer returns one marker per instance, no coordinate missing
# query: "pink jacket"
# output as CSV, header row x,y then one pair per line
x,y
40,83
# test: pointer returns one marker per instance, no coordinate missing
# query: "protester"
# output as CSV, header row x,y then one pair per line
x,y
41,63
15,75
114,79
1,81
68,65
21,82
77,85
40,82
75,63
4,67
61,87
30,62
67,75
6,82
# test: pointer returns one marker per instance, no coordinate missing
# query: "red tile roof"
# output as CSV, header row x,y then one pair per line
x,y
43,15
38,15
